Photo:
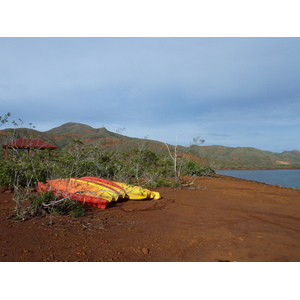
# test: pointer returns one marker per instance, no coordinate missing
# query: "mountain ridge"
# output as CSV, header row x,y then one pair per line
x,y
222,156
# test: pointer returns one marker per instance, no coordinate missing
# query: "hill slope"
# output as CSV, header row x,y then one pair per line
x,y
247,157
221,156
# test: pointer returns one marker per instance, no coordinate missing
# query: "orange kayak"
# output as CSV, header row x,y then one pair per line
x,y
95,191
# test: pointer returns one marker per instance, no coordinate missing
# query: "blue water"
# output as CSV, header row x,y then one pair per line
x,y
285,178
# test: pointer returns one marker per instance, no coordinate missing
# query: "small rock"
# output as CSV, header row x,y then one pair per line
x,y
145,251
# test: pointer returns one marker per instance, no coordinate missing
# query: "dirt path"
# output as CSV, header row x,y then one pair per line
x,y
220,219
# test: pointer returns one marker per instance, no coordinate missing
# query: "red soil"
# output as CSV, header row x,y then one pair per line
x,y
218,219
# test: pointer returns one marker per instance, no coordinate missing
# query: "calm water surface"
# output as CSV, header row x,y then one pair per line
x,y
285,178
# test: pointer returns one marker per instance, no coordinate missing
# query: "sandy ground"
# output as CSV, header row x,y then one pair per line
x,y
218,219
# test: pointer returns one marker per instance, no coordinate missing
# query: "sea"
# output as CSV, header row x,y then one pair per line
x,y
285,178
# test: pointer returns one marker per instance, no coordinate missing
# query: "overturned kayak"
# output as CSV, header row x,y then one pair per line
x,y
96,191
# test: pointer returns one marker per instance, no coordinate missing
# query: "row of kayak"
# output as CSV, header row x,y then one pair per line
x,y
96,191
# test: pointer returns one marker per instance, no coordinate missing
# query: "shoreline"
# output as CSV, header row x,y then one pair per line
x,y
256,169
270,179
259,182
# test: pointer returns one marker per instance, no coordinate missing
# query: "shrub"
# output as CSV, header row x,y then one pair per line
x,y
23,170
77,210
48,202
194,168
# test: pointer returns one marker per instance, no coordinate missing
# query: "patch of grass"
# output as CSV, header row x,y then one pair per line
x,y
163,182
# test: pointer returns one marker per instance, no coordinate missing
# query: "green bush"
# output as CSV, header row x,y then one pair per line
x,y
194,168
23,170
48,202
77,210
6,175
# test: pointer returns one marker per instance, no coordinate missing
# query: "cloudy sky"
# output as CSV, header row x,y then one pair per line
x,y
229,91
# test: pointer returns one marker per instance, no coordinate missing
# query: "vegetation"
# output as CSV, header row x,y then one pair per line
x,y
24,169
27,169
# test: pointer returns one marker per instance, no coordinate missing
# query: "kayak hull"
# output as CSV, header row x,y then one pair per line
x,y
94,191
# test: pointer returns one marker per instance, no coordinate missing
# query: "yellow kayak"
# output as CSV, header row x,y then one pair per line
x,y
138,193
96,191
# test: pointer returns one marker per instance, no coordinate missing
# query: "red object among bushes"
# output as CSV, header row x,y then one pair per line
x,y
29,143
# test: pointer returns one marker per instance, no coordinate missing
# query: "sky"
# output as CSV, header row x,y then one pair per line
x,y
236,92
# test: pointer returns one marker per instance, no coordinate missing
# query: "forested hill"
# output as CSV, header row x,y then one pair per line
x,y
220,156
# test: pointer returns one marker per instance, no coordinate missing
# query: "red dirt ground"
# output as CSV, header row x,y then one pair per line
x,y
218,219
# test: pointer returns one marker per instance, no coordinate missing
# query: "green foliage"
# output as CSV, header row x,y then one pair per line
x,y
77,210
5,174
30,204
66,207
38,201
4,119
163,182
194,168
27,169
24,169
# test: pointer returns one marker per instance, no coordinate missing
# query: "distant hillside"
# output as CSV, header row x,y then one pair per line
x,y
247,157
68,132
220,156
290,156
84,131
